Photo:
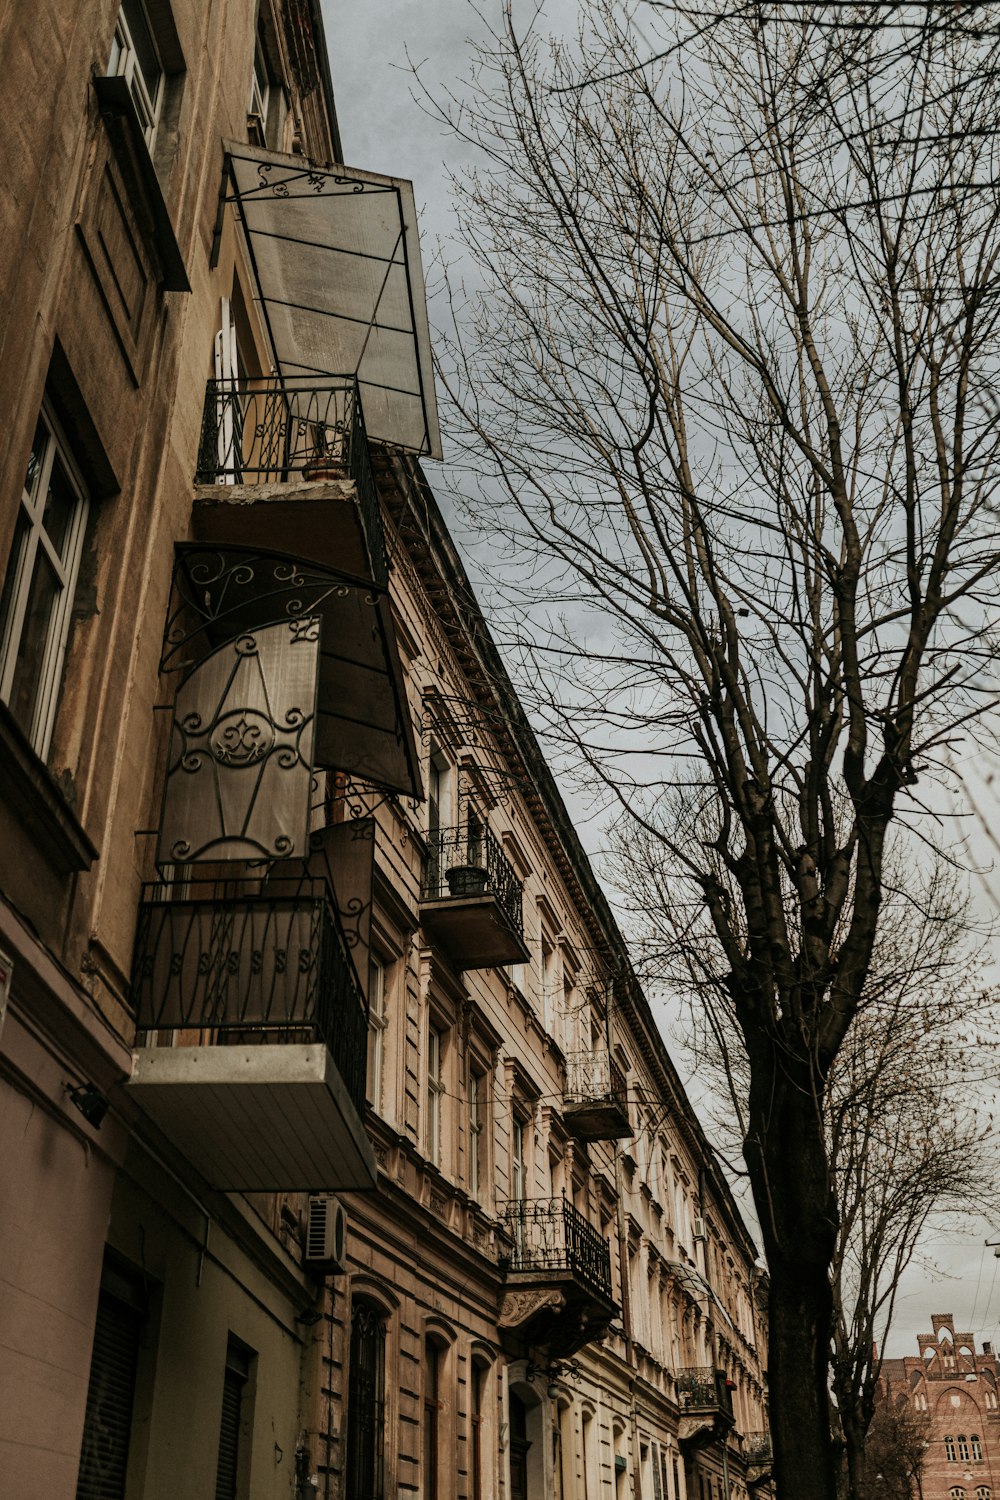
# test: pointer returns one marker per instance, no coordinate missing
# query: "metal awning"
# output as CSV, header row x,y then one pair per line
x,y
222,593
336,260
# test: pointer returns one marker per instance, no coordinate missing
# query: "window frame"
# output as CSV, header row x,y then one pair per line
x,y
365,1311
124,63
433,1140
378,1024
16,588
478,1113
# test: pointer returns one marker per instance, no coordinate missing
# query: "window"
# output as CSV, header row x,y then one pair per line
x,y
518,1175
135,58
107,1423
983,1492
957,1492
977,1447
435,1092
39,583
477,1121
366,1405
963,1447
477,1377
260,93
949,1449
378,1020
233,1449
432,1407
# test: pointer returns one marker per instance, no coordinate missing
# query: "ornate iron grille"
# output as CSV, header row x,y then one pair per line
x,y
591,1076
757,1447
261,967
366,1405
469,861
703,1386
549,1234
263,430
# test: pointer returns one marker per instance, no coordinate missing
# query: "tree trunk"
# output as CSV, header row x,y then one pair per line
x,y
786,1155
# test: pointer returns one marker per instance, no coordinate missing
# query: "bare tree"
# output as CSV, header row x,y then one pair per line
x,y
896,1452
910,1140
721,377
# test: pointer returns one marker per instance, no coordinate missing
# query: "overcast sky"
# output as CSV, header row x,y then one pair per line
x,y
384,130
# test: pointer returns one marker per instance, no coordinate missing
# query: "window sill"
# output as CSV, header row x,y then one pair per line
x,y
132,155
40,806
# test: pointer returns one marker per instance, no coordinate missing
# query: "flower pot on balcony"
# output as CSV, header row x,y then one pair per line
x,y
466,880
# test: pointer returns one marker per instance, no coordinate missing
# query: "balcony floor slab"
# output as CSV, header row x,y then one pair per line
x,y
265,1118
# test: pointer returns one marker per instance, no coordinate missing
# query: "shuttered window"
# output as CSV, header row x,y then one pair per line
x,y
108,1421
227,1475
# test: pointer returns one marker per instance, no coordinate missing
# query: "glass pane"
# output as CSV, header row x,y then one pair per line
x,y
35,457
60,507
13,573
28,685
145,48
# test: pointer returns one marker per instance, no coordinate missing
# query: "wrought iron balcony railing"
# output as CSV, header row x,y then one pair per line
x,y
468,861
265,430
251,968
702,1387
757,1447
550,1234
591,1076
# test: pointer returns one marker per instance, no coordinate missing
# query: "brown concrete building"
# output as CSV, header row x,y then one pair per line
x,y
954,1390
342,1153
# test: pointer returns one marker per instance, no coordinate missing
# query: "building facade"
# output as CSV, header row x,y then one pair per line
x,y
343,1153
953,1390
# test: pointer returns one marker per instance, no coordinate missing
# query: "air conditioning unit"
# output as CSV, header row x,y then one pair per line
x,y
326,1234
700,1231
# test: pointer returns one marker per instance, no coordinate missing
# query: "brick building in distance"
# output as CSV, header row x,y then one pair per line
x,y
955,1390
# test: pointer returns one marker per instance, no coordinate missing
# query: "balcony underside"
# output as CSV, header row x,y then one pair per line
x,y
474,931
320,520
554,1310
597,1119
256,1118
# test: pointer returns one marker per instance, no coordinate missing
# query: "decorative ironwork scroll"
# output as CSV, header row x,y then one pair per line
x,y
241,751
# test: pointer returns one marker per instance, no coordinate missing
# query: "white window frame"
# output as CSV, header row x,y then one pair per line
x,y
477,1128
124,63
435,1092
66,568
378,1021
260,91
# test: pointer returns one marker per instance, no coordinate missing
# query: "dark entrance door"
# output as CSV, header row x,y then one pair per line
x,y
519,1446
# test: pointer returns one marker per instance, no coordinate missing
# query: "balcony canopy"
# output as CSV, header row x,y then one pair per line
x,y
337,265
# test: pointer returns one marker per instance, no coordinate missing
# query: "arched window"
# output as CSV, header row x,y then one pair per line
x,y
977,1447
983,1492
432,1408
963,1447
366,1404
957,1492
949,1449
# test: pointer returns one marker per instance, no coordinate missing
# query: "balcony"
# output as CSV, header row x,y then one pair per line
x,y
596,1099
471,899
256,1033
706,1405
558,1292
757,1453
292,456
